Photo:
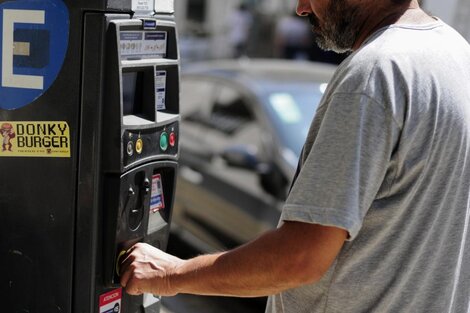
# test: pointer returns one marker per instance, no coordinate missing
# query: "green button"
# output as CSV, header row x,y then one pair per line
x,y
164,141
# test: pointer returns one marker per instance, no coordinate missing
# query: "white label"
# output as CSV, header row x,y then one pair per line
x,y
143,5
150,44
160,89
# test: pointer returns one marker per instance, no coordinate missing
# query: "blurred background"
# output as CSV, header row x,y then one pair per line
x,y
209,29
251,79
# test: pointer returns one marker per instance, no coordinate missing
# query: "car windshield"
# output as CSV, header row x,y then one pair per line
x,y
291,107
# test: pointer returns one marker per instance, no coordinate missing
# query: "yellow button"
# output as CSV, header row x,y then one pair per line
x,y
139,146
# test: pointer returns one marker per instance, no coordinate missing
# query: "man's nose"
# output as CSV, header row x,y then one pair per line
x,y
303,8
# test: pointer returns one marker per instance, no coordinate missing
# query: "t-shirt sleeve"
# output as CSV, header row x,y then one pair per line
x,y
346,166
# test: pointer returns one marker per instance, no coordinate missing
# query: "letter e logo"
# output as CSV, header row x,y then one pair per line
x,y
34,39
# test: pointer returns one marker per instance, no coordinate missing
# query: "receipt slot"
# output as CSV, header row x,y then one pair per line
x,y
89,123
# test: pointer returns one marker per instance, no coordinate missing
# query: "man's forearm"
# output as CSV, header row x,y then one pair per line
x,y
241,272
280,259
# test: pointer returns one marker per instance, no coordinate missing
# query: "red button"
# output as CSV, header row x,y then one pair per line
x,y
172,139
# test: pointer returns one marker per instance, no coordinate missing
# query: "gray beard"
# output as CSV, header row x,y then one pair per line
x,y
339,29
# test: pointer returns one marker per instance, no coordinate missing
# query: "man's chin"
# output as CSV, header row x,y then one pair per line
x,y
328,45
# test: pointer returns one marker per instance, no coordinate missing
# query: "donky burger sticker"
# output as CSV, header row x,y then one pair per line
x,y
35,139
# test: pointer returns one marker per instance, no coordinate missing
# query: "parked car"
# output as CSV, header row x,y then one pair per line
x,y
243,126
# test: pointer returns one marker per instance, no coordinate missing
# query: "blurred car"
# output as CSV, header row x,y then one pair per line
x,y
243,126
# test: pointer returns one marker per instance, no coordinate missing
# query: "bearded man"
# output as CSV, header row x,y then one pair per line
x,y
377,218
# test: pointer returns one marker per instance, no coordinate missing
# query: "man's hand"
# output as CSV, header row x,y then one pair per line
x,y
147,270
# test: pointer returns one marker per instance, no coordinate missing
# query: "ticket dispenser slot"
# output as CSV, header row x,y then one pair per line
x,y
139,212
141,131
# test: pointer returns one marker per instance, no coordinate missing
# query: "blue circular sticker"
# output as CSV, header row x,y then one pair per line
x,y
33,41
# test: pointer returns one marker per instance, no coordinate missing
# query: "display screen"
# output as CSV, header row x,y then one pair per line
x,y
132,93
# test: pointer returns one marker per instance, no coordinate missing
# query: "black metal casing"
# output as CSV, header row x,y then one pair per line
x,y
65,220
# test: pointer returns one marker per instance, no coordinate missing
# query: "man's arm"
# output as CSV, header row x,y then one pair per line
x,y
293,255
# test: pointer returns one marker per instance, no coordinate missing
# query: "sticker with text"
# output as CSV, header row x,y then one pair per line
x,y
156,200
160,88
110,302
35,139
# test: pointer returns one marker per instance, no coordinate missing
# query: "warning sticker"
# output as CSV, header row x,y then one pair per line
x,y
35,139
111,302
156,200
160,88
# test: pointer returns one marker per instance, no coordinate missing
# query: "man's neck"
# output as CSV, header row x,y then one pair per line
x,y
407,14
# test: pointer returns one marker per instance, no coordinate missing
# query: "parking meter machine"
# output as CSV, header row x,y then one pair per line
x,y
89,117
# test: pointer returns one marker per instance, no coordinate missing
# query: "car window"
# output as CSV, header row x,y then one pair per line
x,y
196,96
230,111
291,107
220,114
234,125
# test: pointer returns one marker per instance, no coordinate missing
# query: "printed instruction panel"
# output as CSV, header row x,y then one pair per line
x,y
140,44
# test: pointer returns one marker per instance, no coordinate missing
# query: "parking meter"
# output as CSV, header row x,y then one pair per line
x,y
89,119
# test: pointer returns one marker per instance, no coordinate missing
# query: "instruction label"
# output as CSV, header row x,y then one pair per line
x,y
35,139
160,88
140,44
156,199
143,5
111,302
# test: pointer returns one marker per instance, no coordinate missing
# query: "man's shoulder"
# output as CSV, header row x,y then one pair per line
x,y
390,54
355,72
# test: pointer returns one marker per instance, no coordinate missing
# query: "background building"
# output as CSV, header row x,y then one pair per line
x,y
204,25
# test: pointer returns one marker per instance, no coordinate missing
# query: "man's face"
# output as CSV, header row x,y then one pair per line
x,y
336,23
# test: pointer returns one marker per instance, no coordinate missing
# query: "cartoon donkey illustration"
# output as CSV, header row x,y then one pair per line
x,y
8,134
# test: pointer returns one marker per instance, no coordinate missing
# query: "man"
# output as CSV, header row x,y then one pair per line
x,y
377,218
241,21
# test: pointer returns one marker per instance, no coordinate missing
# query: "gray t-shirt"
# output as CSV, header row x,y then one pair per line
x,y
388,159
